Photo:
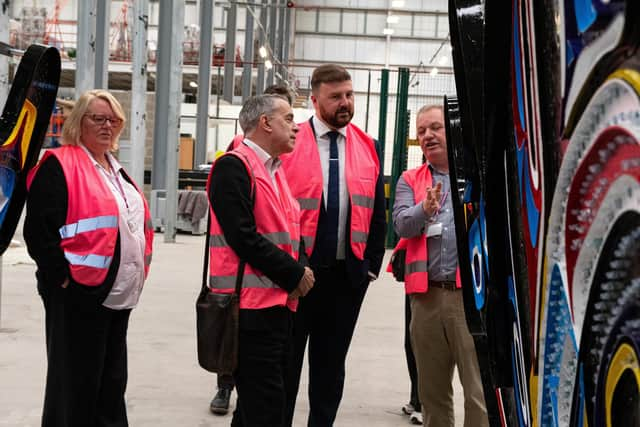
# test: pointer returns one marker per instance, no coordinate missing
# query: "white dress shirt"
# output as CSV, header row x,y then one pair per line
x,y
270,163
323,149
127,285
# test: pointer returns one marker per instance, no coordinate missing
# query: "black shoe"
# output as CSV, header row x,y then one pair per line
x,y
220,403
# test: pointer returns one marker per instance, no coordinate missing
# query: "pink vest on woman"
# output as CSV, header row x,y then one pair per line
x,y
90,233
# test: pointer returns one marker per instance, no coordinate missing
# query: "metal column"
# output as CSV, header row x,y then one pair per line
x,y
285,44
273,26
4,60
247,68
382,117
261,42
138,127
103,19
279,48
204,80
167,114
85,51
230,53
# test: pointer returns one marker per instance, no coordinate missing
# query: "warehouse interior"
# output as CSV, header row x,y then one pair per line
x,y
153,55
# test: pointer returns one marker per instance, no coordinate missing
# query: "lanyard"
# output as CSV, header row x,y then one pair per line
x,y
119,186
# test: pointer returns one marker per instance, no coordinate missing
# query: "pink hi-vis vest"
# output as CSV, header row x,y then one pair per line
x,y
277,217
235,142
416,277
90,233
305,179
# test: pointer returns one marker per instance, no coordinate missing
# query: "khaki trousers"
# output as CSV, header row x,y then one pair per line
x,y
441,341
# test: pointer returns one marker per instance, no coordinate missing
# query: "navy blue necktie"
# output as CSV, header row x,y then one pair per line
x,y
333,195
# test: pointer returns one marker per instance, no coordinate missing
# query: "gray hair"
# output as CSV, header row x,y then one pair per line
x,y
255,107
430,107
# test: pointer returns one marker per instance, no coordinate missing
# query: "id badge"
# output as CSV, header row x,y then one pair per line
x,y
434,230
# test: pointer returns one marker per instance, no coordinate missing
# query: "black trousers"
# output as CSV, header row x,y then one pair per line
x,y
327,318
225,381
411,359
264,349
87,360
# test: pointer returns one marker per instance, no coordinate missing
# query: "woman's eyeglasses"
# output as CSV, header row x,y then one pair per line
x,y
100,120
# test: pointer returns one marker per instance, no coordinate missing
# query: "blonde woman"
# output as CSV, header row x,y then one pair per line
x,y
88,229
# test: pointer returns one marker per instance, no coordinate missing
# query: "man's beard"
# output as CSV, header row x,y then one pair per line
x,y
337,121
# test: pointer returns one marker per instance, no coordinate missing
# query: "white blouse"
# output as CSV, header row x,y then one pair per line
x,y
129,280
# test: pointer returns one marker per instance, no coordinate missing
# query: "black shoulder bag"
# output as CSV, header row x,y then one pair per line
x,y
217,315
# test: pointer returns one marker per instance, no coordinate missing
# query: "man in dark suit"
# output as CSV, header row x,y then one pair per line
x,y
219,405
335,173
255,233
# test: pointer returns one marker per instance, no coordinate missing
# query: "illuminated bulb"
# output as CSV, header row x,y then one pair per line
x,y
268,64
263,52
388,31
393,19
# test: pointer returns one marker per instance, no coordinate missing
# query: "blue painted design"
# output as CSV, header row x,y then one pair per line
x,y
468,189
7,185
570,54
533,214
475,242
515,358
517,55
483,234
557,331
585,14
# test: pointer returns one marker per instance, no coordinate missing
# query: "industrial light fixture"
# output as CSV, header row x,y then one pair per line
x,y
393,19
397,3
193,84
263,52
434,72
268,64
388,31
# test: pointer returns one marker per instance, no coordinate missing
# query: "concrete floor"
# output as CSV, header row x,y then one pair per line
x,y
166,386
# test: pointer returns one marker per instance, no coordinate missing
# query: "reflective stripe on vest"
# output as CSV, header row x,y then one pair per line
x,y
309,203
364,201
306,183
277,217
89,260
278,238
248,281
415,267
88,224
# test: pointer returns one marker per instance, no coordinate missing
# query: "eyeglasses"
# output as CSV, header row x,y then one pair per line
x,y
100,120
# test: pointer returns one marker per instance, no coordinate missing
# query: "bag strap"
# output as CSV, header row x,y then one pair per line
x,y
242,263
